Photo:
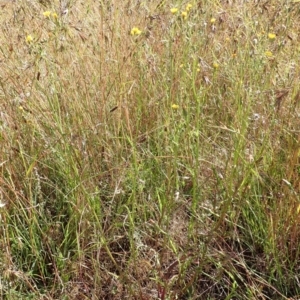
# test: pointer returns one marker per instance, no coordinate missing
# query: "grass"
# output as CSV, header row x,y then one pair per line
x,y
149,154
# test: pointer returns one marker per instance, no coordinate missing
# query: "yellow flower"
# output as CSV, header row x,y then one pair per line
x,y
54,15
175,106
184,15
47,13
212,20
272,36
268,54
174,10
215,65
135,31
29,39
188,7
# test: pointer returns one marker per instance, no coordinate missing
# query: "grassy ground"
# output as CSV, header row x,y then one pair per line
x,y
149,153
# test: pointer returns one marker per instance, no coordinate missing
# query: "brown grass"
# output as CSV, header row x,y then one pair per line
x,y
163,165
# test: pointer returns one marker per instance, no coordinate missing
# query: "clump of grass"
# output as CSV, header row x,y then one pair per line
x,y
150,150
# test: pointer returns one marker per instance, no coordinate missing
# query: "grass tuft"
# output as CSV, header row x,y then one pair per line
x,y
150,150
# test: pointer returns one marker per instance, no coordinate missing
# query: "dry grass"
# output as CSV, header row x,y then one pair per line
x,y
157,165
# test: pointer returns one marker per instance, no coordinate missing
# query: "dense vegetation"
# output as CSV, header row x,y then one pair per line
x,y
149,150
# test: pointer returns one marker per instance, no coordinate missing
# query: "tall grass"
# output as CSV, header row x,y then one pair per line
x,y
160,163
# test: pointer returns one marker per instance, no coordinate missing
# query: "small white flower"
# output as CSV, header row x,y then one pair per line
x,y
255,117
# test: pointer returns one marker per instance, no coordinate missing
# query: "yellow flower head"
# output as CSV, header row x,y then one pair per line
x,y
188,7
272,36
175,106
184,15
212,20
268,54
54,15
47,14
215,65
135,31
174,10
29,39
